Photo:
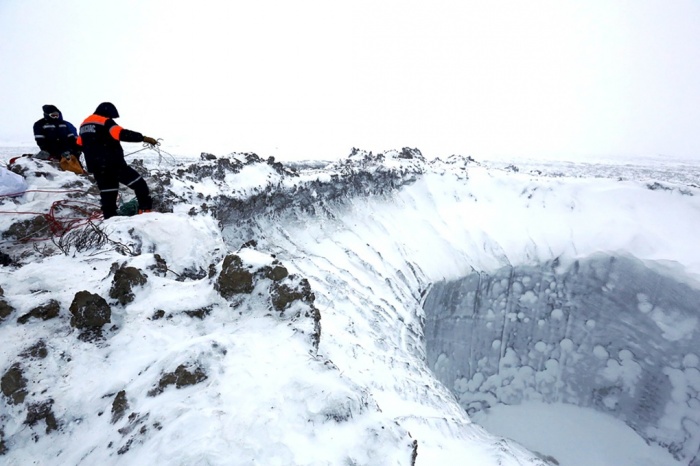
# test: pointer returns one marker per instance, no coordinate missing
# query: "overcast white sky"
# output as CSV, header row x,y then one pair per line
x,y
314,78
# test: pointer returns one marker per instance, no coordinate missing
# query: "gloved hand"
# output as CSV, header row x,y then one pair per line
x,y
66,154
150,141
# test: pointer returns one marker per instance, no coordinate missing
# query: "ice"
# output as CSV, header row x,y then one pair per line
x,y
574,436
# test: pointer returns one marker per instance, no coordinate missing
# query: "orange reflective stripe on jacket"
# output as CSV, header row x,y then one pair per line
x,y
97,119
115,131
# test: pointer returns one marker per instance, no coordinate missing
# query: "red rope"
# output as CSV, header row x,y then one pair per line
x,y
83,213
61,225
20,193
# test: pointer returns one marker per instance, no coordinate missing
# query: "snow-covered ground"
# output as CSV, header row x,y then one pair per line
x,y
187,373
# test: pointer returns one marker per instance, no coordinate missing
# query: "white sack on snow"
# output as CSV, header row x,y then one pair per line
x,y
11,183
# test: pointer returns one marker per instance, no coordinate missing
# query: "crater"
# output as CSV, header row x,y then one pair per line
x,y
611,333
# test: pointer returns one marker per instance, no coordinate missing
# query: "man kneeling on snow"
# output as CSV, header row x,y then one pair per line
x,y
55,136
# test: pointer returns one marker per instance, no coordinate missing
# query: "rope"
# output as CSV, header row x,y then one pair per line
x,y
80,213
145,146
58,225
61,225
20,193
161,152
156,147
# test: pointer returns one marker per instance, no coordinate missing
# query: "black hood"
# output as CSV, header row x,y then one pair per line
x,y
50,109
107,109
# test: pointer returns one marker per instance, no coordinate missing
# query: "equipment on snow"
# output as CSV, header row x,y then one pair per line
x,y
129,209
70,163
11,183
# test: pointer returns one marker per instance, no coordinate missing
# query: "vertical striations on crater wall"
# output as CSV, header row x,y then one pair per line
x,y
607,332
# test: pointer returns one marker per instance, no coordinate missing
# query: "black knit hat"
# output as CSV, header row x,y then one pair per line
x,y
107,109
49,109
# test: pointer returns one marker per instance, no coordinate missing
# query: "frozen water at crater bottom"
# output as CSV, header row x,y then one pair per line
x,y
607,333
572,435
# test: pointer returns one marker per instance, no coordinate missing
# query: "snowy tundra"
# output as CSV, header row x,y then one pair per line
x,y
273,314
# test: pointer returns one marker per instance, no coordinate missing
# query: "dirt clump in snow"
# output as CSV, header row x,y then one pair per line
x,y
13,385
42,412
90,312
36,227
293,289
46,311
119,406
36,351
125,279
5,309
181,377
234,278
275,272
293,299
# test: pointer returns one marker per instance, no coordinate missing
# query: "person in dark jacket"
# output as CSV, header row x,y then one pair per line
x,y
100,138
55,136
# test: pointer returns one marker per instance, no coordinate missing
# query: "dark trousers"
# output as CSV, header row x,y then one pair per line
x,y
108,179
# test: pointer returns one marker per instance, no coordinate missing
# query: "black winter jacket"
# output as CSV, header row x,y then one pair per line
x,y
100,136
55,135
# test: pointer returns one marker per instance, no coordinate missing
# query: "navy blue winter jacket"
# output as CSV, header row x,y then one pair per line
x,y
55,135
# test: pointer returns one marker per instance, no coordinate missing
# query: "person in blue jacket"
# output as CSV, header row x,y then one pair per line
x,y
55,136
100,138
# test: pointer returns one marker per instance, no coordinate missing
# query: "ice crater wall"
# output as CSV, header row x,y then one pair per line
x,y
607,332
